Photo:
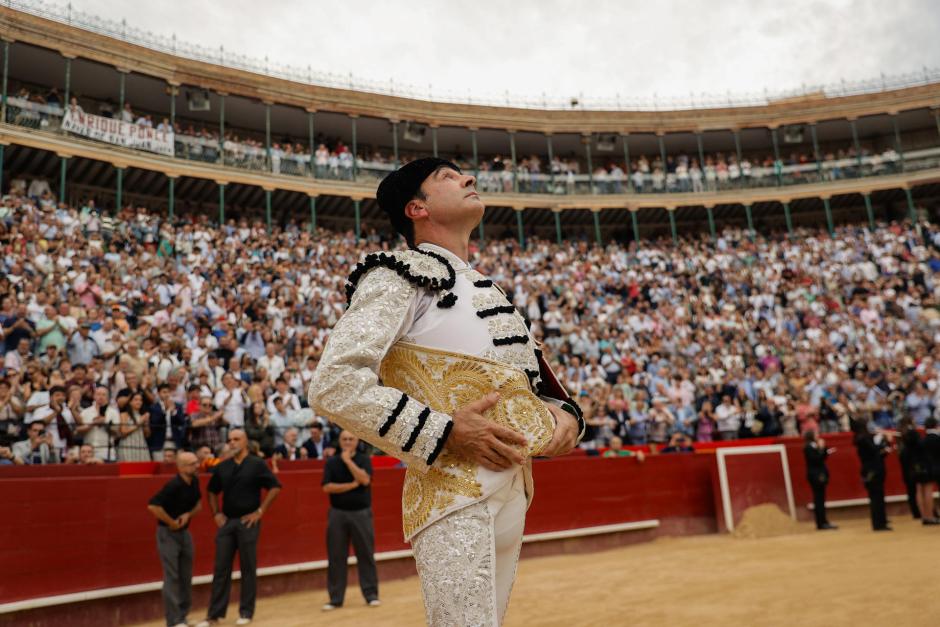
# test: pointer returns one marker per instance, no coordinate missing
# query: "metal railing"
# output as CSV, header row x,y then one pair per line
x,y
121,30
678,179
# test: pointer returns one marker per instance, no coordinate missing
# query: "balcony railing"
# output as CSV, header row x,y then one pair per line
x,y
48,118
121,30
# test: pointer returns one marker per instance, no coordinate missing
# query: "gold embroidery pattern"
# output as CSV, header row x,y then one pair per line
x,y
445,382
436,490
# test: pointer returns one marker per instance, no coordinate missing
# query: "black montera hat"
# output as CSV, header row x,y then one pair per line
x,y
398,188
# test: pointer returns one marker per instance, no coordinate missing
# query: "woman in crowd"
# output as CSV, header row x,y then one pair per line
x,y
133,431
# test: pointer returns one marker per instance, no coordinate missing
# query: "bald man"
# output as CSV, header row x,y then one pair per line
x,y
173,507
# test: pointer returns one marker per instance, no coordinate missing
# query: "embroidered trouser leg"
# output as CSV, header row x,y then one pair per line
x,y
467,560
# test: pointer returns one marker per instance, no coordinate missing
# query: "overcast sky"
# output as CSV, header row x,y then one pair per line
x,y
530,47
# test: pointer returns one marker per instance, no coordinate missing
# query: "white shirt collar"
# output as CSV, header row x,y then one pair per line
x,y
457,262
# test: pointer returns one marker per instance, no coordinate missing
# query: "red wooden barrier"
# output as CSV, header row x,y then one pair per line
x,y
70,528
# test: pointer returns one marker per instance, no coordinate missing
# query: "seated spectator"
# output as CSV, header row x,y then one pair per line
x,y
616,450
679,443
290,450
37,448
318,445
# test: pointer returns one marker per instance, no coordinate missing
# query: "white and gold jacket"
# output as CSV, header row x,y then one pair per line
x,y
431,298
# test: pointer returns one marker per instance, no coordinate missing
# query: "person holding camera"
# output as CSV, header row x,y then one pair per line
x,y
817,474
37,449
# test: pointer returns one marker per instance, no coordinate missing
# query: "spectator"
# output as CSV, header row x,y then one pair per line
x,y
317,445
290,450
259,429
206,425
98,423
134,431
168,424
37,448
616,450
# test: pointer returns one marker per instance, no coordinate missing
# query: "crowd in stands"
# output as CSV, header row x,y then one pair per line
x,y
127,336
532,173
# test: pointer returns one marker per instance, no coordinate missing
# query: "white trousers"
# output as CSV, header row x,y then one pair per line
x,y
467,560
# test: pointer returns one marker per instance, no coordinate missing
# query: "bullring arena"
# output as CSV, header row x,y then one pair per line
x,y
184,207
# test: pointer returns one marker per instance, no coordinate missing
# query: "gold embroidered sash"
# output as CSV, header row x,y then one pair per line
x,y
446,381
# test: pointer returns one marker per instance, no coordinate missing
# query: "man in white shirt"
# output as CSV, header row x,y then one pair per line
x,y
96,425
272,362
727,418
53,415
232,401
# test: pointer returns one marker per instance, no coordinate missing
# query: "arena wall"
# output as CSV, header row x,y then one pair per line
x,y
76,529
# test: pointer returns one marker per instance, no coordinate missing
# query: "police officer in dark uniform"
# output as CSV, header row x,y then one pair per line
x,y
817,474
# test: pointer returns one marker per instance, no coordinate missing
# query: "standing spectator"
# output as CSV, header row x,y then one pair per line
x,y
817,474
98,422
173,507
727,418
241,478
206,425
259,429
167,424
58,419
11,414
134,430
920,466
232,400
82,348
347,478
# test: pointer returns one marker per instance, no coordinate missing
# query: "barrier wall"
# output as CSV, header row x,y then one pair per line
x,y
68,529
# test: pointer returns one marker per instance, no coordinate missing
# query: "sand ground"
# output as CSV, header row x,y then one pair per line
x,y
814,579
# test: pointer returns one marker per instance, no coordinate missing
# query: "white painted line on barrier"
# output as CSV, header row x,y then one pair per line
x,y
103,593
891,498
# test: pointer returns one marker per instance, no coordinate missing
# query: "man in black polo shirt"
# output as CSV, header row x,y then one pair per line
x,y
241,478
173,507
346,478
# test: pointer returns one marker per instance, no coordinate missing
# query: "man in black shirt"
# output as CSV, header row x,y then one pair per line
x,y
241,478
173,507
346,478
817,473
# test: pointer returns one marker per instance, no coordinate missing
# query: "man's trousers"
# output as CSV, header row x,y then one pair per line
x,y
467,560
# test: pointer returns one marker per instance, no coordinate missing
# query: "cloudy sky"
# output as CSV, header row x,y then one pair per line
x,y
601,49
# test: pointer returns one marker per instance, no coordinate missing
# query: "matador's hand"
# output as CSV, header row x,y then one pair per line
x,y
480,440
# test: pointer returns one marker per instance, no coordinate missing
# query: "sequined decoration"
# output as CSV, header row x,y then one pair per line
x,y
436,491
446,381
455,564
345,385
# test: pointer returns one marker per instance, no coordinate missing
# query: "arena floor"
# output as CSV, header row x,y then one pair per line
x,y
847,577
